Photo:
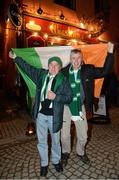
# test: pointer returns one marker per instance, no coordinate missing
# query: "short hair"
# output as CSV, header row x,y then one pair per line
x,y
76,51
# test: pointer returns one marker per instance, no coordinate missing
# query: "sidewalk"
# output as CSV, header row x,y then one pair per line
x,y
13,119
19,157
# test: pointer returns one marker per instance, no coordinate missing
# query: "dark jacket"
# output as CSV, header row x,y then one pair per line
x,y
63,93
88,74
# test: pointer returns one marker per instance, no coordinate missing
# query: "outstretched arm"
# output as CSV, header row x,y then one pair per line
x,y
31,71
100,72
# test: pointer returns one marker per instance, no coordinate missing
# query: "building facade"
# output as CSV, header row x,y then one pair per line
x,y
36,23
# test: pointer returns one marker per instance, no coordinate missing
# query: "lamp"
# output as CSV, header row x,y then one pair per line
x,y
30,130
39,11
62,16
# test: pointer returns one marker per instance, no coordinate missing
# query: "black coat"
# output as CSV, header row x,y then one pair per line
x,y
63,93
88,74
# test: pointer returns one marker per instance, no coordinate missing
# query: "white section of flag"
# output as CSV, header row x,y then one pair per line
x,y
46,52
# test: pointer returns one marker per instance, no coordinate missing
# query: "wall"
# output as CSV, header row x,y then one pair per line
x,y
8,39
85,8
51,9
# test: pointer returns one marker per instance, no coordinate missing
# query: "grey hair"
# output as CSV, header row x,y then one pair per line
x,y
75,51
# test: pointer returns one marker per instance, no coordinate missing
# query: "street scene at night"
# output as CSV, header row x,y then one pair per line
x,y
19,157
59,89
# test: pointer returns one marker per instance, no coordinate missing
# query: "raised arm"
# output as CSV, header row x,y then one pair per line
x,y
31,71
100,72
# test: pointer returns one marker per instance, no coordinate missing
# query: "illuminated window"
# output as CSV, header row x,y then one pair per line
x,y
69,4
102,8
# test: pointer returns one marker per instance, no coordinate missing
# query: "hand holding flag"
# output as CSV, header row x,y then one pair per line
x,y
12,55
110,47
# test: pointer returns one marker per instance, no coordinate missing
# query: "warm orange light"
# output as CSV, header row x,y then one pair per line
x,y
52,43
8,20
33,26
51,26
57,39
31,23
56,18
45,36
30,131
74,40
69,43
89,35
35,34
82,25
70,32
90,27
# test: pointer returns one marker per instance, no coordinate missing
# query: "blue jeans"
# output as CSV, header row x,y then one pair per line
x,y
44,123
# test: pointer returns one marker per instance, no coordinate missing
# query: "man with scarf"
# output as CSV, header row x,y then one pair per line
x,y
52,92
81,77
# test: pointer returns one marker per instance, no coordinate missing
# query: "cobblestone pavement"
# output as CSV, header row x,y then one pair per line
x,y
19,157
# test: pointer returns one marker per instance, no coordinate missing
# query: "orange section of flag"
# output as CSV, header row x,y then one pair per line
x,y
95,54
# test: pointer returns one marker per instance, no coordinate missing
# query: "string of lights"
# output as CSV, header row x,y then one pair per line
x,y
92,24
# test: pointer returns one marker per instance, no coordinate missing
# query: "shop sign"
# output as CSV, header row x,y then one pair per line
x,y
65,32
53,28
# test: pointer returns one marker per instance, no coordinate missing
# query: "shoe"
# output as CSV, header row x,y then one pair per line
x,y
84,158
44,171
65,157
58,167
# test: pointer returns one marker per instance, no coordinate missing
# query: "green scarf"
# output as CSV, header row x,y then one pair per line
x,y
59,79
75,105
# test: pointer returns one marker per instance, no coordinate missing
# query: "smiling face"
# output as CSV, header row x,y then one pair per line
x,y
76,59
54,68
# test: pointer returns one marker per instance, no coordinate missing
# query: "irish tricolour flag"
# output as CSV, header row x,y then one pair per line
x,y
38,57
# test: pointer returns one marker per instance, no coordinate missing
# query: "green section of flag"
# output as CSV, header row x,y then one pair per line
x,y
31,57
